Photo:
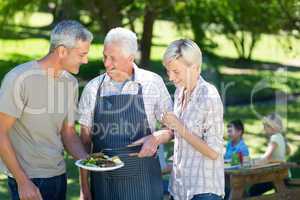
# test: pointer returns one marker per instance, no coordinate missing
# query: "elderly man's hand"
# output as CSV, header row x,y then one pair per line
x,y
150,144
170,120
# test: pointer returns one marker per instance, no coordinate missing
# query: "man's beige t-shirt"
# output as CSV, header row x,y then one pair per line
x,y
41,104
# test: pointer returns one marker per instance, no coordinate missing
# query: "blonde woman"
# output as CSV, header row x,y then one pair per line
x,y
276,150
277,145
197,121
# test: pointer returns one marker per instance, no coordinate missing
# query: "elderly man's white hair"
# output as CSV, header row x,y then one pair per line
x,y
184,49
123,37
67,33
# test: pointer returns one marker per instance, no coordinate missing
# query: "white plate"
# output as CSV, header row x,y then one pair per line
x,y
96,168
233,167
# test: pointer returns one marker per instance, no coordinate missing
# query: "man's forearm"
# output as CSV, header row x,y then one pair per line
x,y
84,174
73,145
8,156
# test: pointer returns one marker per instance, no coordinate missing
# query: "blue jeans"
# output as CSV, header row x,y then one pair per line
x,y
205,196
166,186
53,188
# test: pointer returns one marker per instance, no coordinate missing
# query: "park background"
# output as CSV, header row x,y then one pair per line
x,y
251,52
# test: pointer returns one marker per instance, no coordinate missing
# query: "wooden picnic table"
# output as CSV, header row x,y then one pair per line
x,y
277,173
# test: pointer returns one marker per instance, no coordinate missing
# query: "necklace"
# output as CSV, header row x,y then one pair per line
x,y
185,99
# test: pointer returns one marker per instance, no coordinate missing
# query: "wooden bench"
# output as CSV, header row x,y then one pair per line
x,y
241,179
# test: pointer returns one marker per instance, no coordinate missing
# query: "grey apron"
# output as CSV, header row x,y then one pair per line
x,y
120,120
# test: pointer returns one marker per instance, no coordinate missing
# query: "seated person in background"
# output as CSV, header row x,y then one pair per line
x,y
273,127
236,144
276,150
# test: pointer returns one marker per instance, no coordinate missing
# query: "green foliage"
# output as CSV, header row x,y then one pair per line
x,y
195,15
9,8
295,158
244,21
241,21
290,10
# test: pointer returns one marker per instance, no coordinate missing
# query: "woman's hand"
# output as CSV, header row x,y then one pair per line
x,y
171,121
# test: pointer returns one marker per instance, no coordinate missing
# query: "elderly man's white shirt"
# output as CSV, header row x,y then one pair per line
x,y
156,97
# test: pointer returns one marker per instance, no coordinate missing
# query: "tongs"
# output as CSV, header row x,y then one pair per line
x,y
118,149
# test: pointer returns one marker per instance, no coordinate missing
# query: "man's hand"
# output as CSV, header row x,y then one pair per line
x,y
85,194
28,191
150,144
72,142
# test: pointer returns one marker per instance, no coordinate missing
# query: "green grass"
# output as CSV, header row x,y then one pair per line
x,y
272,48
258,85
3,188
73,182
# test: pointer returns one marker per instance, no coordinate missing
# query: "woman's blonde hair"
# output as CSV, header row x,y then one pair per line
x,y
184,49
274,121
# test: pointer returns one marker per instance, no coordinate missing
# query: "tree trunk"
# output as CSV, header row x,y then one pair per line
x,y
237,44
63,10
243,44
146,42
107,12
199,34
254,39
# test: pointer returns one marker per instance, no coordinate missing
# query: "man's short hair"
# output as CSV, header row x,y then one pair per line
x,y
67,33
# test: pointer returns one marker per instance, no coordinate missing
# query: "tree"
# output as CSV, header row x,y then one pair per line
x,y
291,14
152,10
105,14
240,21
243,22
9,8
195,15
108,13
113,13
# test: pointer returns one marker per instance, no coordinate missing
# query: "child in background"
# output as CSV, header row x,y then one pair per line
x,y
273,127
276,150
236,144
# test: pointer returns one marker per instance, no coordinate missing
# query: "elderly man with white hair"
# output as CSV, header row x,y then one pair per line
x,y
37,113
119,108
